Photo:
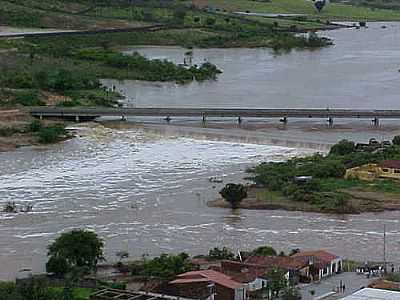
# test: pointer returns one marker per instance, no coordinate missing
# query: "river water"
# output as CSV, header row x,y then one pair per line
x,y
145,191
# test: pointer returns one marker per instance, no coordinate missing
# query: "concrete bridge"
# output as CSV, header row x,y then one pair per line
x,y
82,113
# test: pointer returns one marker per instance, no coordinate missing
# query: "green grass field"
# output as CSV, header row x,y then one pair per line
x,y
333,11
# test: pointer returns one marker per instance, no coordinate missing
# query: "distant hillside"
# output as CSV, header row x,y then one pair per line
x,y
90,14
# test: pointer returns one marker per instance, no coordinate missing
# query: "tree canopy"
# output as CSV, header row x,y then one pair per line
x,y
265,251
77,248
234,193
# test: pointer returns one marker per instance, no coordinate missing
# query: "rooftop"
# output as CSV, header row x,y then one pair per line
x,y
391,164
207,276
373,294
321,255
284,262
242,272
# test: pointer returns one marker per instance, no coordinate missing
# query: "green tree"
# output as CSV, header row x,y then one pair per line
x,y
291,293
166,266
224,253
51,134
234,193
265,251
35,126
396,140
343,147
77,248
210,21
277,281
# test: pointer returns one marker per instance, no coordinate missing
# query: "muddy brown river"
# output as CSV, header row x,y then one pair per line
x,y
145,191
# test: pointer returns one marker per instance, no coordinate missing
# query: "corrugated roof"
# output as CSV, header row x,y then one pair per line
x,y
209,275
373,294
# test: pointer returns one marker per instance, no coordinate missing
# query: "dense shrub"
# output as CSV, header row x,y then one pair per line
x,y
218,254
51,134
343,147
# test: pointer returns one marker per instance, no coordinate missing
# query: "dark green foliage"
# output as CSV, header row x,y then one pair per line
x,y
35,126
218,254
343,147
152,70
265,251
78,249
210,21
234,193
324,189
8,291
277,280
58,79
29,98
63,80
51,134
58,265
396,140
291,293
166,266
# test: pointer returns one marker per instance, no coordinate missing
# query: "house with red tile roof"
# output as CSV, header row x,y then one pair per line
x,y
222,286
298,270
250,275
322,263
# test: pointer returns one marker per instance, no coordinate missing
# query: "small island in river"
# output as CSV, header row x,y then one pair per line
x,y
352,178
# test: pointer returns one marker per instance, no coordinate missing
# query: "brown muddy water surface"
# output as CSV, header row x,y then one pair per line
x,y
144,188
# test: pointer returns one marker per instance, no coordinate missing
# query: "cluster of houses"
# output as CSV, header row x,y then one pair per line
x,y
388,169
248,279
234,280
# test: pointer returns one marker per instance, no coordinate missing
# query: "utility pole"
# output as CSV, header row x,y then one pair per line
x,y
384,248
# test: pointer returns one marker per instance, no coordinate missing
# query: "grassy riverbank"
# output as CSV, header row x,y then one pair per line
x,y
277,185
332,11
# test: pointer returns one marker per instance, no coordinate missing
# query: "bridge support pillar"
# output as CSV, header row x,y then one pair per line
x,y
284,120
41,117
330,121
375,122
77,119
204,118
239,120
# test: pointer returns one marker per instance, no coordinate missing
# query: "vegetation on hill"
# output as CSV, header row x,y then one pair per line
x,y
332,11
373,4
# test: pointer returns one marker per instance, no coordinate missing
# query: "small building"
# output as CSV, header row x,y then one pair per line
x,y
373,294
389,169
250,275
222,286
322,263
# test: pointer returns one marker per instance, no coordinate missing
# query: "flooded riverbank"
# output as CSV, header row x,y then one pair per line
x,y
145,189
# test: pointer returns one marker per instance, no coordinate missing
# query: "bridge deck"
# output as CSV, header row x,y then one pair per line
x,y
213,112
